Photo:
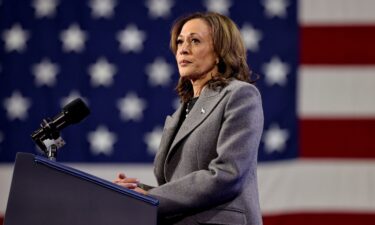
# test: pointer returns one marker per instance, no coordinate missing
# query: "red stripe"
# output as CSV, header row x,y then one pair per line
x,y
313,219
337,138
320,218
337,45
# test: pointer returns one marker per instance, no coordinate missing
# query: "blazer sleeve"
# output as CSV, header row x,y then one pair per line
x,y
237,148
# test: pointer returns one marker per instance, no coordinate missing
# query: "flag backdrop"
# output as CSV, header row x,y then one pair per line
x,y
317,78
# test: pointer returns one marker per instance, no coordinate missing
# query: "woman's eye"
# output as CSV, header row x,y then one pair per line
x,y
195,41
179,41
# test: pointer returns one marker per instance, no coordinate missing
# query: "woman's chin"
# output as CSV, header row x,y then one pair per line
x,y
190,75
186,75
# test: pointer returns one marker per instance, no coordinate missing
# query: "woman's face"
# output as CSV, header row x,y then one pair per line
x,y
195,53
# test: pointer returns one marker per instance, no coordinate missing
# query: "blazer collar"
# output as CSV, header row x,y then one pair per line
x,y
206,102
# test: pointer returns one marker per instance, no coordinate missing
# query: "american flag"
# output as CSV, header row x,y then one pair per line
x,y
315,59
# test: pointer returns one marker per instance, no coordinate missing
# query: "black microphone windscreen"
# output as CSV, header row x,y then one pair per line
x,y
76,111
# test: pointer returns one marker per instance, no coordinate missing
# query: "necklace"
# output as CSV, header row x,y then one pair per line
x,y
189,105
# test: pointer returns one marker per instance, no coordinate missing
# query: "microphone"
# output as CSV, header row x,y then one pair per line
x,y
74,112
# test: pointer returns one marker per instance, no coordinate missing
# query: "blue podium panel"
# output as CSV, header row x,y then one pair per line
x,y
44,192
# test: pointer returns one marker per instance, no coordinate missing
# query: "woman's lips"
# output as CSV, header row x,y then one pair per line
x,y
184,62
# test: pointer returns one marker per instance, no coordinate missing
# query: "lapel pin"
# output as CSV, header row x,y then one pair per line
x,y
203,111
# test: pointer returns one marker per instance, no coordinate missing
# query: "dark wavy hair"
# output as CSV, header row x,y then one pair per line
x,y
228,45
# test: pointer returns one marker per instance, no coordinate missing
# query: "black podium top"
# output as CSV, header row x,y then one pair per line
x,y
94,179
45,192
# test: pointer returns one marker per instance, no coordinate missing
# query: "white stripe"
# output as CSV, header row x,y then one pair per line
x,y
288,186
342,91
346,12
6,171
317,186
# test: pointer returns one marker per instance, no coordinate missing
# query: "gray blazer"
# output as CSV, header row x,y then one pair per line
x,y
207,172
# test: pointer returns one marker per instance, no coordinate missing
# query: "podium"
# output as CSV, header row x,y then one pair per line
x,y
44,192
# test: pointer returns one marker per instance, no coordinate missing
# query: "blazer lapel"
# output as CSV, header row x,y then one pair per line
x,y
170,127
201,110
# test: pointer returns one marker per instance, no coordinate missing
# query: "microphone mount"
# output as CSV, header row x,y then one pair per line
x,y
48,138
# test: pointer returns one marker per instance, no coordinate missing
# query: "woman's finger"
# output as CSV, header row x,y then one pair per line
x,y
140,190
130,180
127,185
121,176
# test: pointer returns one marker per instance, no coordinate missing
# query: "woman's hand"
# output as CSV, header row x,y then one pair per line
x,y
130,183
126,182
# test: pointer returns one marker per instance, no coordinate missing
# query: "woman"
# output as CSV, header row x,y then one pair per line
x,y
206,163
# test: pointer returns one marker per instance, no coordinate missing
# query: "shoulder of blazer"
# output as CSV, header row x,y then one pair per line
x,y
237,85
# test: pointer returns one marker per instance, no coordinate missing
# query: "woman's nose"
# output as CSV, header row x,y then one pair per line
x,y
183,52
184,49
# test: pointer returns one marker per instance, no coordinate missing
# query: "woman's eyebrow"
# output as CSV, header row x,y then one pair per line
x,y
191,34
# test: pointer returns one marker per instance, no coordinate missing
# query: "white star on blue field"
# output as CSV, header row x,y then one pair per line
x,y
115,56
